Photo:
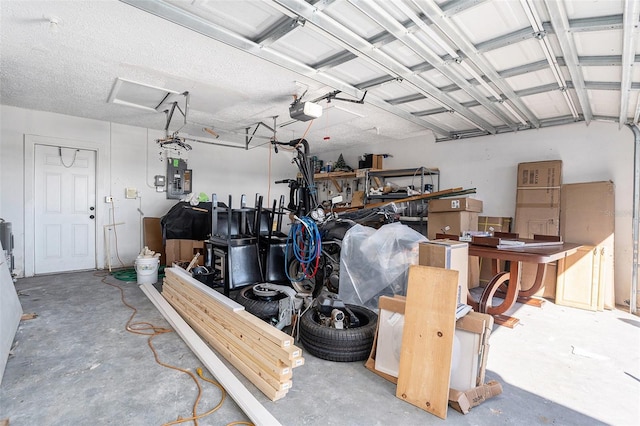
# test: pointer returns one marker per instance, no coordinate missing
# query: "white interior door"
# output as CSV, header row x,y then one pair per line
x,y
65,197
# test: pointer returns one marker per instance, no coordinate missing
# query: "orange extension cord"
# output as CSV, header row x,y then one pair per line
x,y
148,329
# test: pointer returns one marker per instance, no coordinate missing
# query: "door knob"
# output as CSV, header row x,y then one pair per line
x,y
92,217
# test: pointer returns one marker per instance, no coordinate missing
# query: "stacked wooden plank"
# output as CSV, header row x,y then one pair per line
x,y
262,353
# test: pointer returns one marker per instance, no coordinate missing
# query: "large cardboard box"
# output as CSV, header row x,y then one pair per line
x,y
458,222
184,251
588,217
455,205
540,174
538,212
494,224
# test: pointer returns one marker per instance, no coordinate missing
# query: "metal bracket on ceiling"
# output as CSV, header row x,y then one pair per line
x,y
539,35
334,95
248,138
169,113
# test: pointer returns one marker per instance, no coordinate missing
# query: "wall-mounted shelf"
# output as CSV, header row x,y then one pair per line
x,y
334,176
419,177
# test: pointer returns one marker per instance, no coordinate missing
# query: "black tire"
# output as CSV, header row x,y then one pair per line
x,y
263,309
306,285
341,345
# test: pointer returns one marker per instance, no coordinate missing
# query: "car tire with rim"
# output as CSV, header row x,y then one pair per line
x,y
342,345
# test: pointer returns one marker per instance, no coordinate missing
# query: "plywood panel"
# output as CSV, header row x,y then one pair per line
x,y
427,341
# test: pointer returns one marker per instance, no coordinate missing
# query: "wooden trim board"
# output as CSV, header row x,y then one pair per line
x,y
427,341
225,301
256,412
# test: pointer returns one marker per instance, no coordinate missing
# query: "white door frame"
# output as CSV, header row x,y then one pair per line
x,y
102,184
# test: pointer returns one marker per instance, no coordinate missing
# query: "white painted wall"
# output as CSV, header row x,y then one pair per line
x,y
596,152
128,157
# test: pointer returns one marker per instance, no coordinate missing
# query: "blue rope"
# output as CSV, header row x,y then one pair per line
x,y
305,242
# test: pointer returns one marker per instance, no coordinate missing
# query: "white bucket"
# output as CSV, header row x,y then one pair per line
x,y
147,269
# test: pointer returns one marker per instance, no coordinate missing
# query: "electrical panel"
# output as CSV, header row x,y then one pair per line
x,y
178,178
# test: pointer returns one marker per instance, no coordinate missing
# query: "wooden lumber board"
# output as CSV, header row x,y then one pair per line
x,y
273,389
256,412
277,366
506,321
278,355
260,329
439,194
276,335
242,331
271,366
427,339
184,276
290,356
253,322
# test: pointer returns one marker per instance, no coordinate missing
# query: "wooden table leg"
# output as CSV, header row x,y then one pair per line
x,y
537,283
526,296
484,305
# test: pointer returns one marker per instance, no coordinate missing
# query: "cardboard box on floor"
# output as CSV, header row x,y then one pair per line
x,y
464,204
538,212
152,236
458,222
184,251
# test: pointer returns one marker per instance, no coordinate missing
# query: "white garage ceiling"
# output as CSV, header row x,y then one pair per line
x,y
454,68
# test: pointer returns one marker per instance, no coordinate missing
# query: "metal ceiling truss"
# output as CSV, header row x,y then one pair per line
x,y
463,58
630,32
181,17
451,70
431,9
550,122
560,24
364,50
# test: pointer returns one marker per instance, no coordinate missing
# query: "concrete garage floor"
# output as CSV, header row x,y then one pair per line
x,y
75,364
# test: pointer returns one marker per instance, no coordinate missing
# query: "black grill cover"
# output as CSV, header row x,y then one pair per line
x,y
187,222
